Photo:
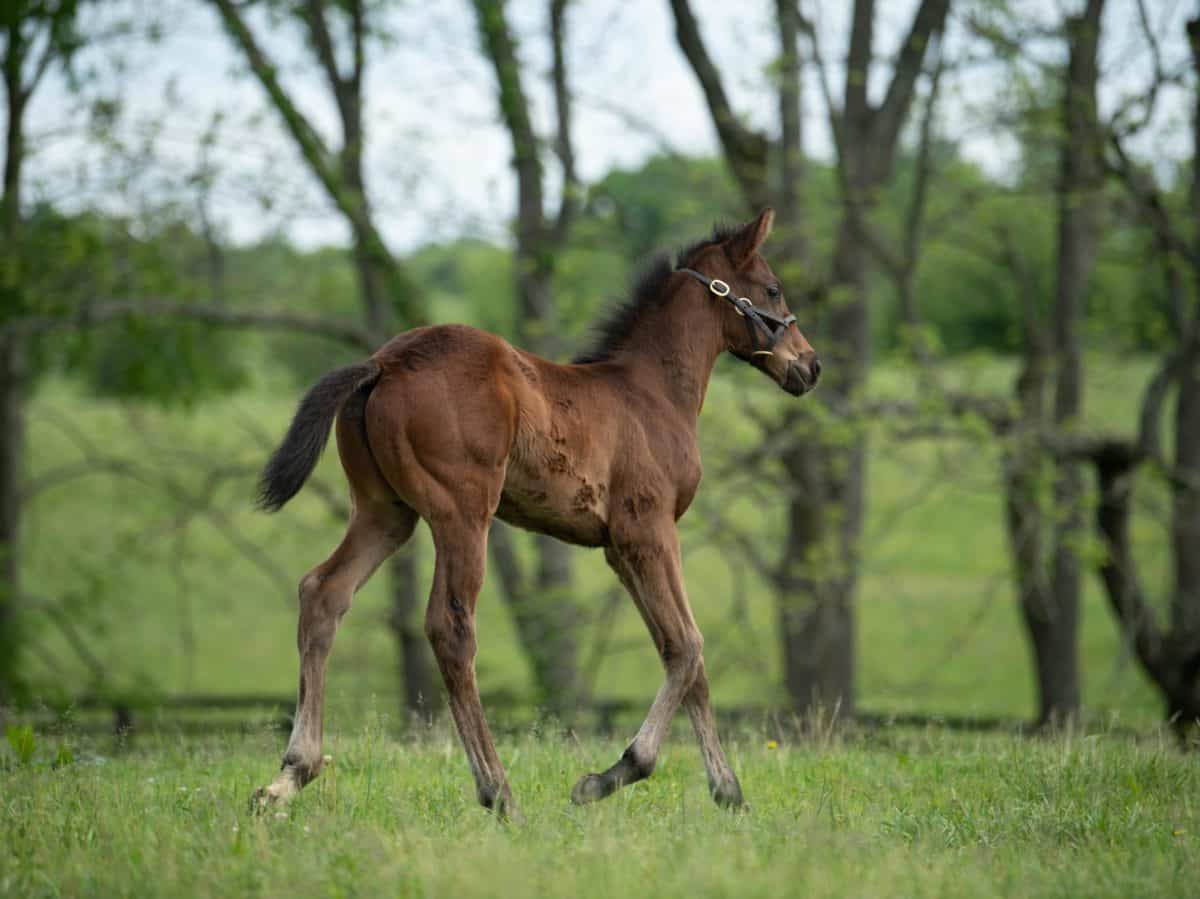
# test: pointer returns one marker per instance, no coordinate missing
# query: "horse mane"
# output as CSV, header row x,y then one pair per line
x,y
647,293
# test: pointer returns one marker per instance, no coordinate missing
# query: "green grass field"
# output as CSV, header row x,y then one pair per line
x,y
887,813
171,601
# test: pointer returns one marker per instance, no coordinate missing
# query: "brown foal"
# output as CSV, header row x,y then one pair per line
x,y
456,426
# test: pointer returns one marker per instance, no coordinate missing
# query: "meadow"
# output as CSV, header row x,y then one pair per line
x,y
171,605
885,813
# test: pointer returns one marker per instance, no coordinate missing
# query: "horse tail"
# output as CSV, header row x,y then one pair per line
x,y
294,460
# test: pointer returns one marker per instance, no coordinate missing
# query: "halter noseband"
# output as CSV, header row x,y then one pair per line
x,y
771,325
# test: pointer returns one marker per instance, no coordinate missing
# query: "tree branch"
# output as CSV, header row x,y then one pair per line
x,y
930,19
220,316
318,29
311,145
569,205
809,28
745,148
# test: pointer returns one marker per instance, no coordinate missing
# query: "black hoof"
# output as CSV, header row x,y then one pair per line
x,y
591,787
729,795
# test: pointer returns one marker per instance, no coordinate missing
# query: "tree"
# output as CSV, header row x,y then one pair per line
x,y
815,577
543,608
387,296
1169,655
37,35
34,37
1048,576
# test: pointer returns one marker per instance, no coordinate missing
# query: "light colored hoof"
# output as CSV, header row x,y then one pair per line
x,y
271,798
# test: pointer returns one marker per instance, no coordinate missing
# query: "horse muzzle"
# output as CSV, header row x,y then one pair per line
x,y
802,375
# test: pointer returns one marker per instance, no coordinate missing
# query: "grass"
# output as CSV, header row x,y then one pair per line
x,y
882,813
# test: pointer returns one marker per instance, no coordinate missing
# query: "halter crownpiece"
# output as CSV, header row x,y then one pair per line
x,y
757,319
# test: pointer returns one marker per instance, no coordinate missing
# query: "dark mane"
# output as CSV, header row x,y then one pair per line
x,y
647,292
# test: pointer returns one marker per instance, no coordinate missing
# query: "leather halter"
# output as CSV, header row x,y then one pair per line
x,y
771,325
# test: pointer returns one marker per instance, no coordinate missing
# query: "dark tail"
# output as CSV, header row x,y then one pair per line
x,y
292,463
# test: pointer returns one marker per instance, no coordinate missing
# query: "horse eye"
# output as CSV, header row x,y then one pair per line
x,y
773,291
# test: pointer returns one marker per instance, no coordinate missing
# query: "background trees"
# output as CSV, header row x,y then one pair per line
x,y
970,198
816,576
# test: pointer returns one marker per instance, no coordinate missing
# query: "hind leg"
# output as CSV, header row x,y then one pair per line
x,y
443,443
375,532
450,625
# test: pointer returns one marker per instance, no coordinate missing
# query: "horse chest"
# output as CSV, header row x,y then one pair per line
x,y
687,482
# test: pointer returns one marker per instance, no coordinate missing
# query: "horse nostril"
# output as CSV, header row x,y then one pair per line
x,y
815,368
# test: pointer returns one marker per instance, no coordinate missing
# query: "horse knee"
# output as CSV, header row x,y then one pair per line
x,y
685,656
310,589
322,606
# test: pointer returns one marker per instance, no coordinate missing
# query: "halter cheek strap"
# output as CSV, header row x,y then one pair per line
x,y
771,325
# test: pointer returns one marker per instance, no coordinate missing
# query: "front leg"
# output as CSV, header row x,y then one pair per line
x,y
647,561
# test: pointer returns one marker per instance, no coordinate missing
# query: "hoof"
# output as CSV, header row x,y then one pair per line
x,y
730,796
509,813
500,804
589,788
271,798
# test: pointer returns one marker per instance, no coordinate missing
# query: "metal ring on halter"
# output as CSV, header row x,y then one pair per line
x,y
719,287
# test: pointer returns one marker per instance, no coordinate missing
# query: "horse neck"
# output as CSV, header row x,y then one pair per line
x,y
677,345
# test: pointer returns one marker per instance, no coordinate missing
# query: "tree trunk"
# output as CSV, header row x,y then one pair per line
x,y
1025,463
377,277
560,612
1053,621
545,617
418,676
543,607
12,427
1172,658
12,380
790,226
1185,536
1184,699
820,566
406,618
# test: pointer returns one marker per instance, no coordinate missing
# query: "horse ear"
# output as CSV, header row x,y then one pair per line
x,y
749,238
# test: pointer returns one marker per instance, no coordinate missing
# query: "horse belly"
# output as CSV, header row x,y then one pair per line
x,y
566,506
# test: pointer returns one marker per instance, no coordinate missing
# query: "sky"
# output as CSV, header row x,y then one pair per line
x,y
438,160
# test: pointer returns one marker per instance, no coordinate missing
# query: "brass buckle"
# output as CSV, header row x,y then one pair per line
x,y
719,287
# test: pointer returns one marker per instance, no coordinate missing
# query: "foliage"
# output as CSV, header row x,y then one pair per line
x,y
969,299
75,261
968,294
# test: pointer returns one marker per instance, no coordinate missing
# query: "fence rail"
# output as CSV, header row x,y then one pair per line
x,y
128,715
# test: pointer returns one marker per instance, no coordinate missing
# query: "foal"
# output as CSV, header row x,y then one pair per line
x,y
456,426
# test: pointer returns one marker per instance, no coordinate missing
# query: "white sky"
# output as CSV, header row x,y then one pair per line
x,y
437,158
